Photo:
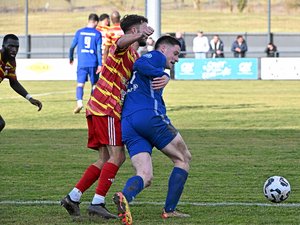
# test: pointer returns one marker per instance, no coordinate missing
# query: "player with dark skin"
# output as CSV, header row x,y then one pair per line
x,y
10,48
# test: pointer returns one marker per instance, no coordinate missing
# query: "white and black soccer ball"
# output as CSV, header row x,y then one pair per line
x,y
277,189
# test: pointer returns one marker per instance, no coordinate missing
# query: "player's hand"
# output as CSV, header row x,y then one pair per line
x,y
36,103
160,82
147,32
99,68
71,61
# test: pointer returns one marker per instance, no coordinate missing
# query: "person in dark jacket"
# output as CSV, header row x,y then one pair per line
x,y
180,38
271,50
239,47
216,47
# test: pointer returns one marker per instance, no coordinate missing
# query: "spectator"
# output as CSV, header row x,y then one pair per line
x,y
239,47
216,47
180,38
113,33
150,44
200,45
271,50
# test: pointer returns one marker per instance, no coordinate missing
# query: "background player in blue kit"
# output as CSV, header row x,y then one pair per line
x,y
145,125
88,41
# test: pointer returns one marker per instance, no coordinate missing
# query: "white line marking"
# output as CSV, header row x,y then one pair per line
x,y
41,94
209,204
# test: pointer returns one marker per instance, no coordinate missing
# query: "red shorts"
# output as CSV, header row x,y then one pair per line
x,y
103,130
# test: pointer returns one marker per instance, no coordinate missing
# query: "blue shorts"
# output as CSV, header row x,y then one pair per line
x,y
143,130
84,72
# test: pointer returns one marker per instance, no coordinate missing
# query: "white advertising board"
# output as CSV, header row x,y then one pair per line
x,y
280,68
46,69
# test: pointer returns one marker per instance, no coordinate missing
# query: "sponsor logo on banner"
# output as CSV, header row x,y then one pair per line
x,y
213,69
221,68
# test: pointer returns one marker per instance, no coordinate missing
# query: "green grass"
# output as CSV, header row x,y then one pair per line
x,y
239,133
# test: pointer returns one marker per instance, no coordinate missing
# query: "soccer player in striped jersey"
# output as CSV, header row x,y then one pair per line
x,y
113,33
10,48
104,117
88,41
103,27
145,125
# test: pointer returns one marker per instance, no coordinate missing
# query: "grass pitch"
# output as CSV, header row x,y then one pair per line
x,y
239,134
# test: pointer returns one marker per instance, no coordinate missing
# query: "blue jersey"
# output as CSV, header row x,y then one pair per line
x,y
88,42
140,94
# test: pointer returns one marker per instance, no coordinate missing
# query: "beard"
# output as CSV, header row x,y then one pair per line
x,y
142,43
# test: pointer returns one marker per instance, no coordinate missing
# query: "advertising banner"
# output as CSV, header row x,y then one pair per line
x,y
216,69
46,69
280,68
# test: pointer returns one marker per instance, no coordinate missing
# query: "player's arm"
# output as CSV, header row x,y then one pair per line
x,y
154,70
107,44
99,55
128,39
17,87
105,52
72,48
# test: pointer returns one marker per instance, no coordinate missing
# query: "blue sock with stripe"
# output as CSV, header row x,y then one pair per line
x,y
176,184
133,187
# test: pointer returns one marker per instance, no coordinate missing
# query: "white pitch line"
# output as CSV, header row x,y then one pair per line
x,y
41,94
209,204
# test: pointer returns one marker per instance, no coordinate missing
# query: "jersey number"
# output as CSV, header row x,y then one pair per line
x,y
87,42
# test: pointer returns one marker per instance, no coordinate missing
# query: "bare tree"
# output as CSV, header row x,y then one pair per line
x,y
241,5
229,3
196,4
179,3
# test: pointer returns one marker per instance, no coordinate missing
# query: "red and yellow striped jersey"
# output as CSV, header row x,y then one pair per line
x,y
7,69
107,97
113,33
103,30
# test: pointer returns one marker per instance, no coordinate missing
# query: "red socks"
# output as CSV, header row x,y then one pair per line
x,y
89,177
107,176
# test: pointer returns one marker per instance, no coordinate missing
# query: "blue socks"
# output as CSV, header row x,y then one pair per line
x,y
79,93
134,185
176,184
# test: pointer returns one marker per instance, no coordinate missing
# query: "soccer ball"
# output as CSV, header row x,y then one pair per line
x,y
277,189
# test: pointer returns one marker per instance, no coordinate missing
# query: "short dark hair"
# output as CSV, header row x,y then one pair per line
x,y
129,20
166,39
103,16
10,36
94,17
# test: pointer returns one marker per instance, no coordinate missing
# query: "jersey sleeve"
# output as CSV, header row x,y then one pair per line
x,y
73,46
151,64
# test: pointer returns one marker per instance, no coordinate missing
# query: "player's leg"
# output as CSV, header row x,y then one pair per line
x,y
91,174
140,153
110,130
93,77
165,137
82,75
142,164
178,152
2,123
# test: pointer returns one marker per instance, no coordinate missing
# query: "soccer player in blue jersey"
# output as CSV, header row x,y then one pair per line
x,y
88,41
145,125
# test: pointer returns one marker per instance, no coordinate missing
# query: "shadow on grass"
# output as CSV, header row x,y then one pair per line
x,y
236,106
